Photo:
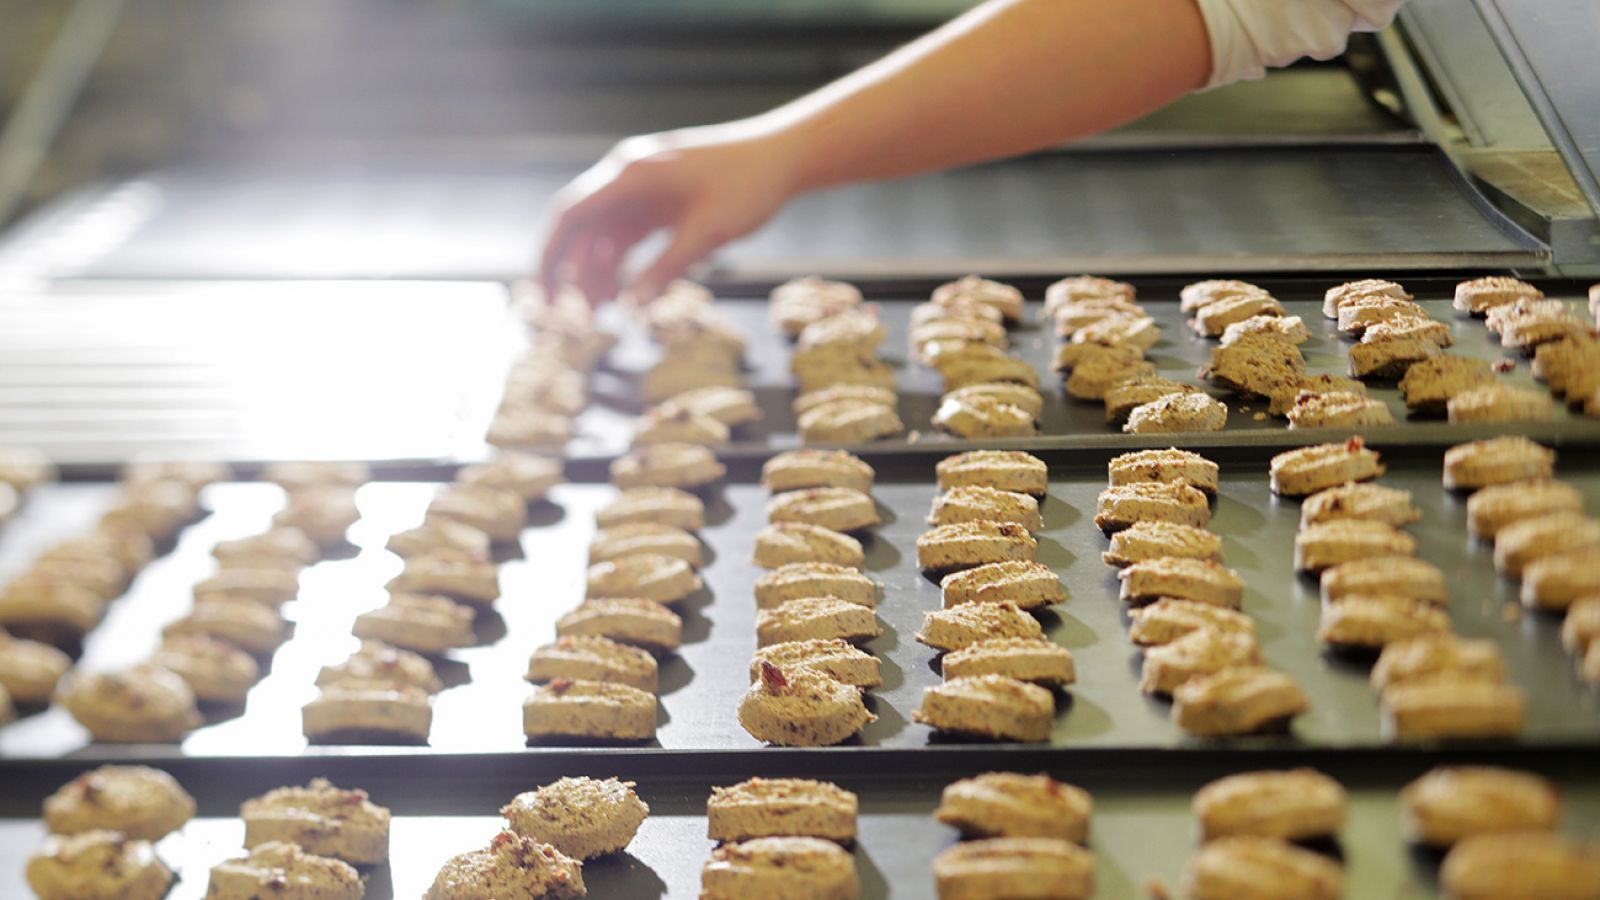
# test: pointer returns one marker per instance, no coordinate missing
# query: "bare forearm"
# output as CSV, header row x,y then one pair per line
x,y
1011,76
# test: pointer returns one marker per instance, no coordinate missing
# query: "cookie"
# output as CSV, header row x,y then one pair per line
x,y
1256,364
1581,627
667,423
848,422
1479,295
1527,328
511,866
1396,576
1197,296
685,369
1452,803
1442,708
476,582
1018,395
655,506
1259,868
30,670
497,512
1008,804
1014,867
1297,473
1237,700
801,707
97,865
732,407
1168,619
666,465
837,508
291,476
781,807
1337,410
377,662
1178,413
1361,313
581,817
1200,652
285,870
1069,318
1409,328
1327,544
989,706
1199,580
1500,403
1006,470
1569,366
809,618
800,469
1094,374
1373,621
801,301
1139,332
930,340
1495,508
138,802
815,368
1129,393
997,295
779,867
1034,660
1214,318
834,657
1120,506
1337,295
589,709
594,658
858,328
1164,466
643,623
276,548
320,819
435,536
369,709
530,477
1437,656
1521,864
324,513
1027,584
48,607
814,579
645,539
664,579
1281,397
964,545
859,393
1080,288
1520,544
418,622
1358,500
1479,464
983,417
1294,805
1553,582
1284,328
141,705
781,543
1390,358
24,468
985,504
216,671
1145,541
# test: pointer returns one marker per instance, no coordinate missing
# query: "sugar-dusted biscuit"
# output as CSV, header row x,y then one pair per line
x,y
1096,368
1339,294
1200,652
581,817
569,709
779,867
1008,804
594,658
732,407
1121,398
653,505
645,538
1122,505
975,504
814,579
669,423
1537,863
1361,313
459,577
1014,867
530,477
30,670
1338,410
379,709
321,819
1494,508
966,544
1164,466
1390,357
1555,581
1237,700
379,662
1438,654
1452,803
801,707
1500,403
1000,296
838,508
1479,464
511,866
809,618
440,536
499,513
1282,395
666,465
983,417
281,548
781,807
1214,318
1284,328
1235,868
863,393
1178,413
834,657
989,706
1442,708
1581,628
1144,541
962,626
801,301
650,576
848,422
97,865
782,543
1295,805
1199,580
1297,473
1373,621
1168,619
1019,395
1006,470
323,513
425,624
1026,583
1429,384
1359,500
1197,296
138,802
1520,544
1034,660
285,870
797,469
1479,295
215,670
1136,331
1398,576
628,620
143,705
1327,544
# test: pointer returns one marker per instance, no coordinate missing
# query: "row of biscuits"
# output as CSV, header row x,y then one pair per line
x,y
961,332
1199,648
29,669
21,470
696,388
1565,347
1106,334
815,606
847,392
547,385
1570,365
998,666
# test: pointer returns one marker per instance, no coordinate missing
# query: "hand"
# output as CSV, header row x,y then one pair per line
x,y
707,186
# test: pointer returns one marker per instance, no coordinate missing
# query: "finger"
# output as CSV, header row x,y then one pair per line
x,y
691,242
572,218
596,276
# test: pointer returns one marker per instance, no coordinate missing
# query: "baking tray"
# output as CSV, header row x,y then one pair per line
x,y
1141,831
703,683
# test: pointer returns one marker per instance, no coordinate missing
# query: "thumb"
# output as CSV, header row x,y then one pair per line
x,y
692,241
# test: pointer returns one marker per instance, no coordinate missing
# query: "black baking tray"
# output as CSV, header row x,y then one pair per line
x,y
1142,830
702,684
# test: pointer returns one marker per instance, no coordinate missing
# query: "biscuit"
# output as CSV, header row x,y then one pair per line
x,y
24,468
1168,619
645,538
379,662
418,622
1390,358
581,817
815,368
811,618
279,548
781,543
985,504
1452,803
1014,867
97,865
139,802
859,328
49,607
1200,652
528,476
1294,805
779,867
476,582
321,819
1018,395
1284,328
369,709
1080,288
1397,576
962,545
1256,364
982,364
292,476
848,422
860,393
1553,582
1447,708
1521,864
1479,464
1025,583
664,579
1337,410
141,705
834,657
1479,295
983,417
1339,294
732,407
1500,403
1122,505
1197,296
589,709
1361,313
157,509
1144,541
1034,660
781,807
1002,297
1439,654
1495,508
654,506
1094,374
668,423
799,469
216,671
284,870
1373,621
1260,868
1213,318
666,465
1409,327
989,706
30,670
1139,332
801,707
950,332
1281,398
497,512
962,626
511,866
1068,318
1199,580
1327,544
324,513
1006,470
1527,328
1358,500
644,623
1569,365
1520,544
688,368
1178,413
1008,804
1122,397
1237,700
814,579
801,301
837,508
1165,466
435,536
594,658
1297,473
1581,627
